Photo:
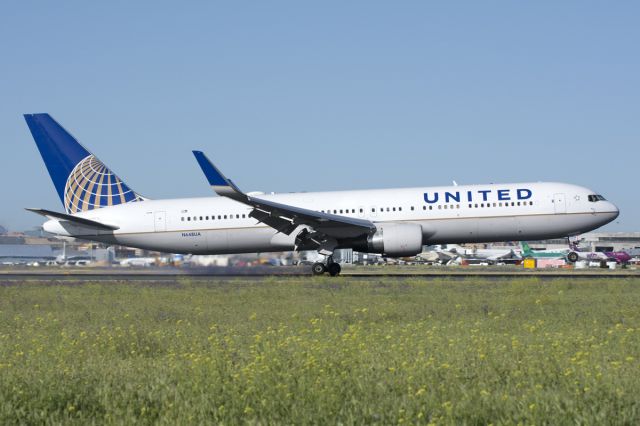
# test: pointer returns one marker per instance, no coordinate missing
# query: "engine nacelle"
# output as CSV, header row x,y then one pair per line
x,y
396,239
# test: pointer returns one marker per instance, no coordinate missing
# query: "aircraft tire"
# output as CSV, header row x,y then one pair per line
x,y
318,268
573,257
334,269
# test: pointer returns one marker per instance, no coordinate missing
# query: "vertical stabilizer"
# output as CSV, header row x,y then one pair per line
x,y
82,181
526,250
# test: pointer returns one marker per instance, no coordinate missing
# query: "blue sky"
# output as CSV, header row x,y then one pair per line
x,y
291,96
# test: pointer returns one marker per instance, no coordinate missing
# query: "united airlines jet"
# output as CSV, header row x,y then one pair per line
x,y
99,206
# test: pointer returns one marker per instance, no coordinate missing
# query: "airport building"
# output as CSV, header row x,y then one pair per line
x,y
612,241
595,241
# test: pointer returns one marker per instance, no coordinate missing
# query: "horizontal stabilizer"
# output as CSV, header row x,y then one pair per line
x,y
74,219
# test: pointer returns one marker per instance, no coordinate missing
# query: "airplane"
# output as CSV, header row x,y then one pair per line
x,y
99,206
573,254
437,254
491,255
527,252
608,256
453,253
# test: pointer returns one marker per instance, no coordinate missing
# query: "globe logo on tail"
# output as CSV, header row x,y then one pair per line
x,y
91,185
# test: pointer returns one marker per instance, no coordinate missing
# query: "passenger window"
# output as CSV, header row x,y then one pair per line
x,y
424,207
518,202
353,210
219,217
470,206
439,207
237,216
189,218
476,206
513,204
394,209
182,218
412,208
361,210
373,210
430,207
225,216
530,203
243,216
399,209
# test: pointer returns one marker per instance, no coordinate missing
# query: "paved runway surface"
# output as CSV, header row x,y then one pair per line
x,y
398,272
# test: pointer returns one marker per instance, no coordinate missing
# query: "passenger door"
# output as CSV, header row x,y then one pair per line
x,y
160,221
559,203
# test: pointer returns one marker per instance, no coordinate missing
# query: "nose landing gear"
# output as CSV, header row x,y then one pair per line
x,y
333,268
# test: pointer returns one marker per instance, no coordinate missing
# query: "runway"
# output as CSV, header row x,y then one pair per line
x,y
358,272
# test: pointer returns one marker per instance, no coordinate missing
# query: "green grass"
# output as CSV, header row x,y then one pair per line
x,y
315,351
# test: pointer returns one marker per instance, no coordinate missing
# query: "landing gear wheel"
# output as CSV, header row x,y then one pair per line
x,y
334,269
573,257
318,268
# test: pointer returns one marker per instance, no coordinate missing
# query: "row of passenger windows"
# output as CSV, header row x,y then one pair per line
x,y
439,207
341,211
373,210
513,204
480,205
213,217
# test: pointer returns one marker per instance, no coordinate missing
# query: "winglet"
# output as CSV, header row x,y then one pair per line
x,y
220,184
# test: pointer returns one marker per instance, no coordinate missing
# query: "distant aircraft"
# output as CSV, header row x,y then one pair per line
x,y
138,261
448,253
492,255
527,252
99,206
612,256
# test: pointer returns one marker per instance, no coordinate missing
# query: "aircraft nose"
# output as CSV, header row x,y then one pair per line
x,y
614,210
610,212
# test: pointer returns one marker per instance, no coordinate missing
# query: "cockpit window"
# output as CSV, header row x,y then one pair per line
x,y
595,197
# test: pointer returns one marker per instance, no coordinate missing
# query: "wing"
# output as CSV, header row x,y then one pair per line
x,y
283,217
87,223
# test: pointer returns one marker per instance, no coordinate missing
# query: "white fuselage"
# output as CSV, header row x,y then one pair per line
x,y
457,214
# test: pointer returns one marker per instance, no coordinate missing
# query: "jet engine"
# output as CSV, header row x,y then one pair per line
x,y
396,239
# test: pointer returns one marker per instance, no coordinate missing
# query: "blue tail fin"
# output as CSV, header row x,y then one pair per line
x,y
83,182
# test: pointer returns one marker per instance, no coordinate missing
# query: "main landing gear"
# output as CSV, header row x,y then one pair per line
x,y
331,267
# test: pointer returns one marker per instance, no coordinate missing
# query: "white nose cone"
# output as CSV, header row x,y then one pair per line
x,y
615,209
54,227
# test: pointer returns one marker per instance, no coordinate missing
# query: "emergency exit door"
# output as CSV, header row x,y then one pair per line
x,y
559,203
160,221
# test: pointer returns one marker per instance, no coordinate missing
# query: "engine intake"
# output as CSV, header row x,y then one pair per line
x,y
396,239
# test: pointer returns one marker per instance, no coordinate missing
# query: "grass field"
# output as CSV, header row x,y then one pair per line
x,y
315,351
